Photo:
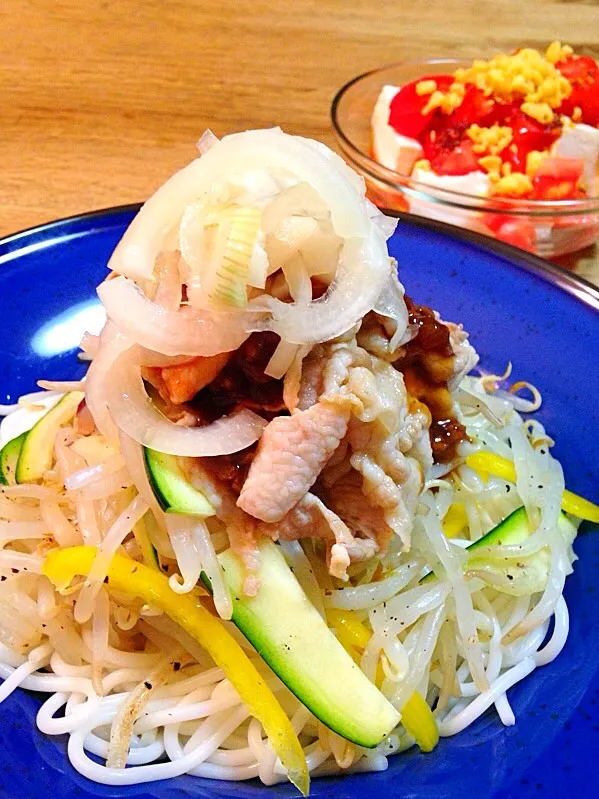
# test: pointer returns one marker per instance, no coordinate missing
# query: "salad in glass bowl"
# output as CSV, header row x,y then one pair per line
x,y
508,146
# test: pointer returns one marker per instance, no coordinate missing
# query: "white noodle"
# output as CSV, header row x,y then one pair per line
x,y
448,638
368,596
560,633
462,719
461,595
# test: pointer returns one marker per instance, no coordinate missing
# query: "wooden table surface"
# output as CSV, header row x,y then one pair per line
x,y
102,99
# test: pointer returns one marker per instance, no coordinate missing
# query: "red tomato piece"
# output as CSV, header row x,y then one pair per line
x,y
579,68
531,135
527,135
517,232
587,99
405,111
442,138
583,73
476,108
590,109
557,179
449,150
459,161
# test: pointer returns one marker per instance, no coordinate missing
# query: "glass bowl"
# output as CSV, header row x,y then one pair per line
x,y
547,228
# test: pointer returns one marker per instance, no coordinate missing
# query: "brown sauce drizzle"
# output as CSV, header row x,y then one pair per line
x,y
241,384
427,365
234,468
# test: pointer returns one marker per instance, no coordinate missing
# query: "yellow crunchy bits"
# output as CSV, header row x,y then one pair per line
x,y
542,112
577,114
425,87
526,74
514,185
533,161
491,164
489,140
557,52
495,167
446,101
424,164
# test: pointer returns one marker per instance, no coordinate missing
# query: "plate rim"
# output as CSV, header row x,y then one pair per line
x,y
575,285
106,220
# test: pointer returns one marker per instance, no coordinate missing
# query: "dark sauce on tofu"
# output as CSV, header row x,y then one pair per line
x,y
427,365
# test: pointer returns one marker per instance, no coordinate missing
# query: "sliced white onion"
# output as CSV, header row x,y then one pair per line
x,y
151,358
361,275
89,344
293,233
339,187
134,414
298,202
183,332
312,237
386,224
391,304
329,189
281,360
168,292
112,344
207,141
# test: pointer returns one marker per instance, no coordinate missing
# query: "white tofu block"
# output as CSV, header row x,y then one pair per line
x,y
474,183
581,141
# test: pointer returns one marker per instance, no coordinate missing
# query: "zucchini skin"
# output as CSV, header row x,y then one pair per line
x,y
295,641
172,489
9,458
36,453
512,530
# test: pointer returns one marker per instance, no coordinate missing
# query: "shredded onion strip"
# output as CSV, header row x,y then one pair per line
x,y
135,415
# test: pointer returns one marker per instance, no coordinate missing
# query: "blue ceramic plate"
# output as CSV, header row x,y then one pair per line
x,y
516,308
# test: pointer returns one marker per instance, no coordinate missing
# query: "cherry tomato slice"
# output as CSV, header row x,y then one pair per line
x,y
585,97
583,73
527,135
459,161
405,111
579,68
512,230
557,179
476,108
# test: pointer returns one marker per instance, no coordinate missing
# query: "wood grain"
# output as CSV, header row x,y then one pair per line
x,y
103,99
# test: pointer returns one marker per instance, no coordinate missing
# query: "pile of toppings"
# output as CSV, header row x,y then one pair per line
x,y
526,123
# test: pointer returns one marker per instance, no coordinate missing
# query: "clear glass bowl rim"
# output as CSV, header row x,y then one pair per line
x,y
420,190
